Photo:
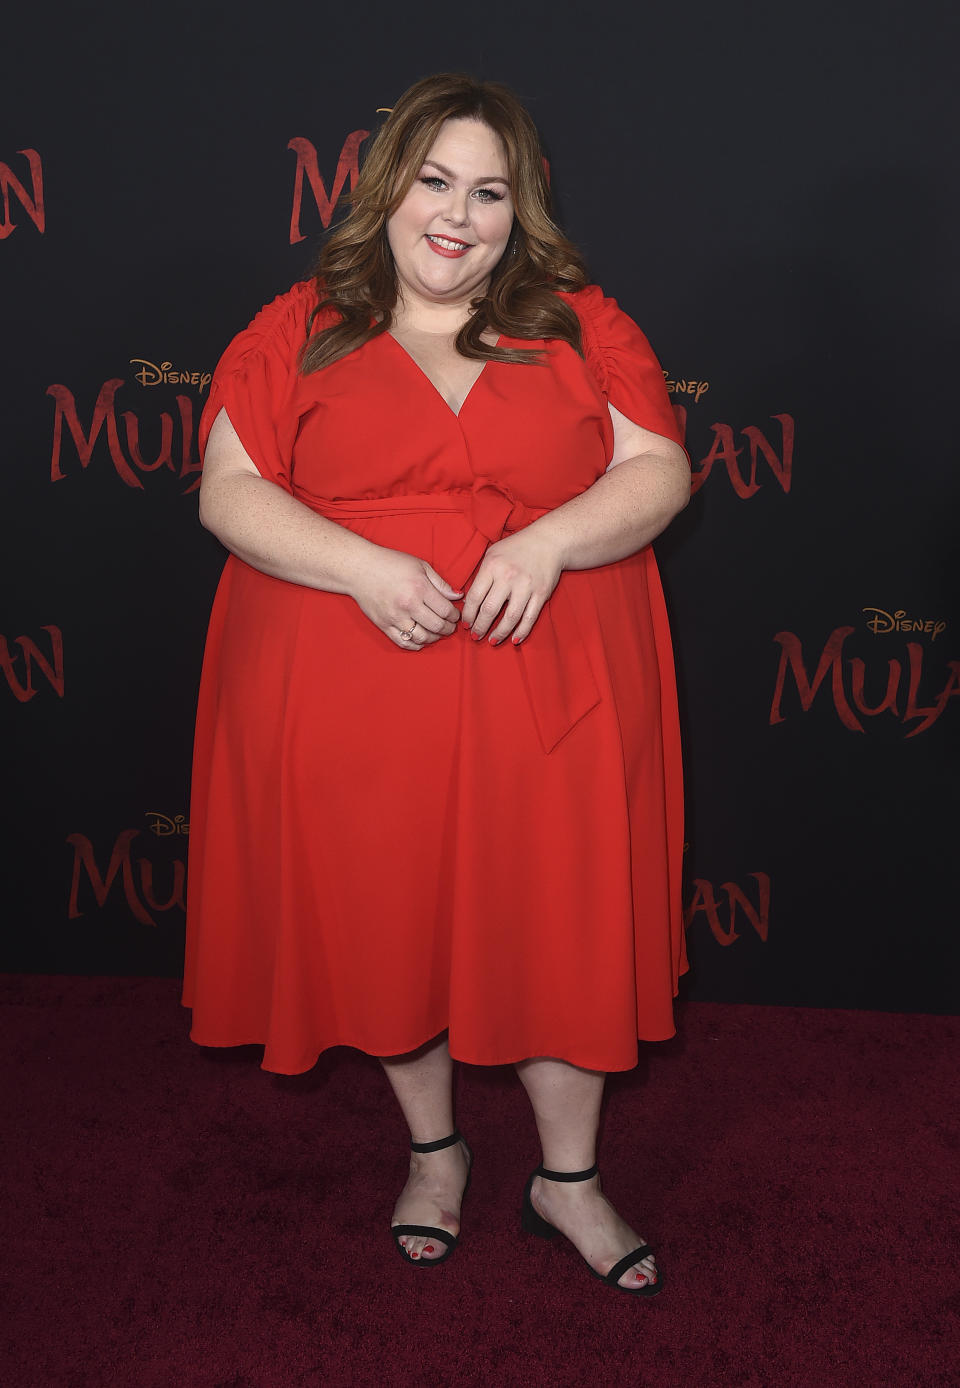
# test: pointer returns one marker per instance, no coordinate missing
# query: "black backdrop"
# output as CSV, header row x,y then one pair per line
x,y
766,189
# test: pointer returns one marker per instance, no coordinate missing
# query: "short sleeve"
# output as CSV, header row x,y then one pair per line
x,y
623,363
255,381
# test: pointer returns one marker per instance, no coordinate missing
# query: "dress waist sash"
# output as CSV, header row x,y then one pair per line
x,y
556,671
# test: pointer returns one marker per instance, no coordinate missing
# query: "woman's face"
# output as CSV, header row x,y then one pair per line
x,y
454,223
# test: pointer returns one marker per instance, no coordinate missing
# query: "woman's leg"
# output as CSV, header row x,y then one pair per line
x,y
566,1104
423,1083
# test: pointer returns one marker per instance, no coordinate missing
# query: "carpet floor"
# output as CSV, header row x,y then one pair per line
x,y
177,1218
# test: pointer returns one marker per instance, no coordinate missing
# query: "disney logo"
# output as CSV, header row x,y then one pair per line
x,y
166,374
881,622
163,826
694,388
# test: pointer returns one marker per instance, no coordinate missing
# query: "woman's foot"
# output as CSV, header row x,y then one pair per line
x,y
432,1196
584,1214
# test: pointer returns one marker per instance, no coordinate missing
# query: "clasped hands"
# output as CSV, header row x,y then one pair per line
x,y
400,593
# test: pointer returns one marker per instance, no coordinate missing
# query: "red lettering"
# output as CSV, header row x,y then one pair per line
x,y
52,669
146,886
189,464
164,457
791,656
781,466
33,206
929,715
105,413
759,916
723,449
83,857
889,704
704,900
348,166
102,410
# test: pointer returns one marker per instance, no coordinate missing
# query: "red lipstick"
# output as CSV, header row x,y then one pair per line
x,y
463,247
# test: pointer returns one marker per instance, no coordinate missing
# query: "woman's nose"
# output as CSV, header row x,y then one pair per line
x,y
457,209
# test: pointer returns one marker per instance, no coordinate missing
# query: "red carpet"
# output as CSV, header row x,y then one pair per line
x,y
177,1218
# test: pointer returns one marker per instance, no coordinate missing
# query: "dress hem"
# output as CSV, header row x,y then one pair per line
x,y
304,1067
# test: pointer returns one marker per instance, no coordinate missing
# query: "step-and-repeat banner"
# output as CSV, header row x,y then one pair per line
x,y
771,202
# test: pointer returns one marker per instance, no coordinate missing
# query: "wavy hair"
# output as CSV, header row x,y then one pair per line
x,y
355,272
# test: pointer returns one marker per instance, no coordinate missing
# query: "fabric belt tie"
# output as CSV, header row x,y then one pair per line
x,y
556,672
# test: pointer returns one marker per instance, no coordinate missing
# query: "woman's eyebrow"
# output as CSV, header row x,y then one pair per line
x,y
448,173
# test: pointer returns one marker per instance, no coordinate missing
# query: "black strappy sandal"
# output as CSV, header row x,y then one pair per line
x,y
532,1223
427,1230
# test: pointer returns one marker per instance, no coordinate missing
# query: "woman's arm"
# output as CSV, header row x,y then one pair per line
x,y
272,531
268,528
646,484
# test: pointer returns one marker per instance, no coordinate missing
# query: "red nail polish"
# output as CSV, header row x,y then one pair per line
x,y
429,1248
476,636
414,1255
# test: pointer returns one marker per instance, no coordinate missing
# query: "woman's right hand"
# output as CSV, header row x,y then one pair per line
x,y
399,592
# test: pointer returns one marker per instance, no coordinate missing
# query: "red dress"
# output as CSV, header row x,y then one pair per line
x,y
483,838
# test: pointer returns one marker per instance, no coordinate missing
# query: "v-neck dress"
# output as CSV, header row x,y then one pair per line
x,y
488,839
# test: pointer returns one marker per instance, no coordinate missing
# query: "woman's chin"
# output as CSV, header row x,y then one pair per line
x,y
446,280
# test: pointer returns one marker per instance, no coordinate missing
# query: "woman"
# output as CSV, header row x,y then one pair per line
x,y
424,830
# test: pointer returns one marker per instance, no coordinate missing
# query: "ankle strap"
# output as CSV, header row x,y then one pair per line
x,y
567,1175
438,1145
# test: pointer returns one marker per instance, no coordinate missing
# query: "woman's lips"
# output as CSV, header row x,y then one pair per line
x,y
448,250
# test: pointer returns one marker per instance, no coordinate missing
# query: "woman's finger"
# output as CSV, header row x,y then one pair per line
x,y
429,621
479,589
435,602
412,637
513,611
526,623
444,611
489,610
439,583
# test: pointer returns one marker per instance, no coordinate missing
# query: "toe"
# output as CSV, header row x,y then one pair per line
x,y
640,1275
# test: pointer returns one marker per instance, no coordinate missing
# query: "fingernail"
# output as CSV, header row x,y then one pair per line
x,y
476,636
414,1255
429,1248
516,640
495,640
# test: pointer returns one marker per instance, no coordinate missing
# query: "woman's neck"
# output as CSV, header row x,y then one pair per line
x,y
411,313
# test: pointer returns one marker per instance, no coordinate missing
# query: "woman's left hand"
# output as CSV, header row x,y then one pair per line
x,y
515,579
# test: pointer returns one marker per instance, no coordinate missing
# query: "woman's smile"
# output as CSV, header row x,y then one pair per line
x,y
448,245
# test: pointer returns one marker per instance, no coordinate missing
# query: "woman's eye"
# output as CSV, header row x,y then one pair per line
x,y
432,182
488,195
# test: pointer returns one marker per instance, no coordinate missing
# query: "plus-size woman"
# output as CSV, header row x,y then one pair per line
x,y
436,806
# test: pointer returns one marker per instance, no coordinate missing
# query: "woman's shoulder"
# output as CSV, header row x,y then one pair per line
x,y
622,361
276,335
600,316
283,318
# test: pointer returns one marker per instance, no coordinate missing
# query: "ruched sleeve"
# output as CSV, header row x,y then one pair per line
x,y
623,363
255,382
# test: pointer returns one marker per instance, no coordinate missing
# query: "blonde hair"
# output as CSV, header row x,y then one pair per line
x,y
355,272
